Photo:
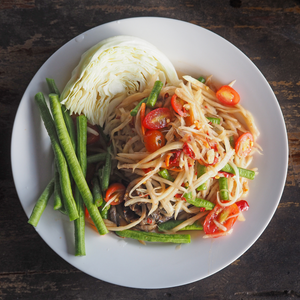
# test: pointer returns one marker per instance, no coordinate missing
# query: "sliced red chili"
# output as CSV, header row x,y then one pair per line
x,y
188,151
174,158
225,174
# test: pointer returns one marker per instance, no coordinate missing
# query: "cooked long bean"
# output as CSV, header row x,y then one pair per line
x,y
96,158
136,109
106,171
165,174
242,172
169,225
154,93
201,170
223,187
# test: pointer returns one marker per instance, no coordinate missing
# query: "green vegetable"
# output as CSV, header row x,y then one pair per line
x,y
198,202
41,204
104,211
136,109
201,79
65,183
97,194
52,86
173,223
106,171
213,120
154,93
155,237
242,172
231,141
74,164
201,170
79,224
68,120
58,204
165,174
223,187
96,158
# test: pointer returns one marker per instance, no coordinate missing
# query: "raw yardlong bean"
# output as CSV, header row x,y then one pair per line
x,y
62,166
155,237
97,193
68,119
74,164
41,204
79,224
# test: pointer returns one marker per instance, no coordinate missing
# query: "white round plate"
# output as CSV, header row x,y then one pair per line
x,y
195,51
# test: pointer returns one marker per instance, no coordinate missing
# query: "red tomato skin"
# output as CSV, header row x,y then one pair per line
x,y
227,95
242,205
211,228
247,138
157,118
154,140
112,189
177,106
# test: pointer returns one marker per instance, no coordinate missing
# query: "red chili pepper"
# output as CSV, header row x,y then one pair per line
x,y
188,151
174,158
147,170
202,209
149,221
242,205
179,196
225,174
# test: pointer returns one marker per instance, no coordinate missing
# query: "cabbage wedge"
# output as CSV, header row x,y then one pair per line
x,y
112,70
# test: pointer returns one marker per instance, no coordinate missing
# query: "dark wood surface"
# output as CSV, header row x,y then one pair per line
x,y
268,32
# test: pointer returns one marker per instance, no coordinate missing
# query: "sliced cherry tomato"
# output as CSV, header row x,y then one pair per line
x,y
92,138
115,189
177,105
227,95
222,215
154,140
242,205
157,119
188,151
243,145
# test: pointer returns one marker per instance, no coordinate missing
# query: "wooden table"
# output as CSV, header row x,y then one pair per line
x,y
268,32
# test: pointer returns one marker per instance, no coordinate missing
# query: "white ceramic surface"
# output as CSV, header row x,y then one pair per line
x,y
195,51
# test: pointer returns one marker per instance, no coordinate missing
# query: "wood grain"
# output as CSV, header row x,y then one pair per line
x,y
268,32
